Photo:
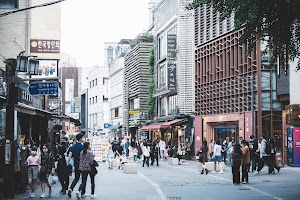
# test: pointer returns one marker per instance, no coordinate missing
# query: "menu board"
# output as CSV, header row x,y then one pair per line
x,y
100,145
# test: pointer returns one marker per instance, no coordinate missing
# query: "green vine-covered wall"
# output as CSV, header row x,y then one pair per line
x,y
151,86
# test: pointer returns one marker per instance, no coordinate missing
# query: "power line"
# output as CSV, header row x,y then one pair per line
x,y
28,8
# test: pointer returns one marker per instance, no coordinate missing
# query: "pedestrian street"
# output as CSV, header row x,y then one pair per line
x,y
184,182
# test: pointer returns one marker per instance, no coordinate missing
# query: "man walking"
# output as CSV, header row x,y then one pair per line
x,y
75,153
62,168
265,156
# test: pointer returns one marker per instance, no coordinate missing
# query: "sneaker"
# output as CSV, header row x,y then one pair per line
x,y
85,195
93,196
273,172
256,173
32,195
78,195
69,193
43,195
213,172
221,172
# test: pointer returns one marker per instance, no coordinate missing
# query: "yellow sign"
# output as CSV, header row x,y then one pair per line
x,y
134,112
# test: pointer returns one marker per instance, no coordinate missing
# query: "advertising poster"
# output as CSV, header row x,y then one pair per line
x,y
290,146
296,145
69,89
47,69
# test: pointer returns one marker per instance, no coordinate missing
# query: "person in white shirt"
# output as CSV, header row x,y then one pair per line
x,y
217,156
162,146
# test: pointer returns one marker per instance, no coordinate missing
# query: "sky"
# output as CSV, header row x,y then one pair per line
x,y
87,24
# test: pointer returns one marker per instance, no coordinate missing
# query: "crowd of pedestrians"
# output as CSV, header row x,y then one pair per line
x,y
66,158
248,156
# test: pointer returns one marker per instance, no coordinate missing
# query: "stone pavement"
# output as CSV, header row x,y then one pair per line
x,y
184,182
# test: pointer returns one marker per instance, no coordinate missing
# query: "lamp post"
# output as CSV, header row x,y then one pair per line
x,y
9,129
12,65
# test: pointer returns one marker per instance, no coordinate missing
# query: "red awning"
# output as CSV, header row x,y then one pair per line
x,y
168,124
151,127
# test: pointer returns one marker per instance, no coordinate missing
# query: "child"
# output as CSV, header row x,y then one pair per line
x,y
33,162
166,153
135,153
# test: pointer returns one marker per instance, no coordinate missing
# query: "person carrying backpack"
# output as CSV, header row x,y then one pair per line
x,y
236,155
265,152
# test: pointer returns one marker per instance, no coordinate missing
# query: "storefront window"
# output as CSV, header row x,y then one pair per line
x,y
162,107
173,104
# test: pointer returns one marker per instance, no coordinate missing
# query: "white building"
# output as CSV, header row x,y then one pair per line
x,y
116,82
174,72
98,101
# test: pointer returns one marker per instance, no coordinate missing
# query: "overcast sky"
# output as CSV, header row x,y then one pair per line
x,y
87,24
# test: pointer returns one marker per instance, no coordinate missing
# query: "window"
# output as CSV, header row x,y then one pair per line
x,y
162,107
116,112
105,98
110,54
95,81
105,81
9,4
162,47
90,101
136,103
162,77
90,84
96,120
96,99
173,104
93,100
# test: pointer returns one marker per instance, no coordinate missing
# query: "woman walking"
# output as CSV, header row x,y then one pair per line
x,y
236,156
47,167
204,157
86,160
146,153
33,162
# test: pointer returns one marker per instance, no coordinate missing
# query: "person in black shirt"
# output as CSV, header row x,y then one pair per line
x,y
253,146
63,170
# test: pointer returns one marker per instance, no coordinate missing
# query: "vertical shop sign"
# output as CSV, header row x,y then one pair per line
x,y
296,147
171,61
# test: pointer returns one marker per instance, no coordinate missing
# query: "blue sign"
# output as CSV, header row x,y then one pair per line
x,y
41,88
106,125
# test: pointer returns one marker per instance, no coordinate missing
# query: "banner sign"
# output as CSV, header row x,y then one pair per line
x,y
171,61
296,147
44,46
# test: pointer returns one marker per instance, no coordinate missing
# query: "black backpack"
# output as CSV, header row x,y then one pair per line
x,y
238,156
268,147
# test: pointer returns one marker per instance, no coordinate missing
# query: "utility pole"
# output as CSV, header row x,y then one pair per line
x,y
9,129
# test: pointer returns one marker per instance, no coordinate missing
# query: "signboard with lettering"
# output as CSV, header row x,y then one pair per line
x,y
44,46
134,112
42,88
171,60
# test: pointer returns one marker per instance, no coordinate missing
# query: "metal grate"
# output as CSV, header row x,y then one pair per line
x,y
174,198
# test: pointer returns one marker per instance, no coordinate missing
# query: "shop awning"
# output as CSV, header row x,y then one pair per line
x,y
29,110
168,124
151,127
114,127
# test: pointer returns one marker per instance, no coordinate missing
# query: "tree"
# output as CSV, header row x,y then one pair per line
x,y
143,37
276,22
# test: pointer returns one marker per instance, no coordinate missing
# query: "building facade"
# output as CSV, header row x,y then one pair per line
x,y
98,101
136,83
235,92
116,92
173,48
